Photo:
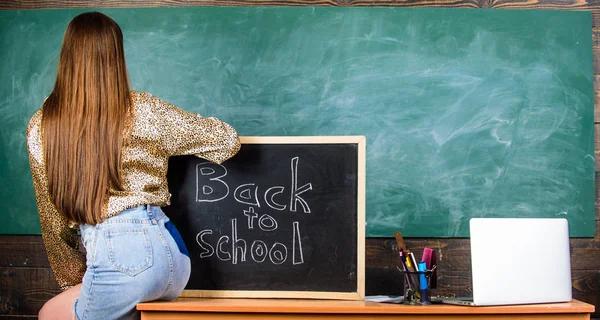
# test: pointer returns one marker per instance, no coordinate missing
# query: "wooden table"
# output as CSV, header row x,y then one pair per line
x,y
213,308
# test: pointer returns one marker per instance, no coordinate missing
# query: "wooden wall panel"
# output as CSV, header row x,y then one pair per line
x,y
27,289
592,5
23,252
26,280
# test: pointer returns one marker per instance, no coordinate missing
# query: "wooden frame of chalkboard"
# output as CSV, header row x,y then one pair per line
x,y
326,173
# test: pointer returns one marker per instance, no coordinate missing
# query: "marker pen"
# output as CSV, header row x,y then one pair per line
x,y
406,276
423,285
413,276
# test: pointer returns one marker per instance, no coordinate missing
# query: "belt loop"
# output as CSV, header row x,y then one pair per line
x,y
150,214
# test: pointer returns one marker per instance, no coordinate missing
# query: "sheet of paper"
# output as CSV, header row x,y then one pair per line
x,y
386,299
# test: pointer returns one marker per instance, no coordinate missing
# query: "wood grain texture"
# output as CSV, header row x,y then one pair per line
x,y
596,151
23,251
525,4
586,287
597,199
23,291
596,57
353,307
320,309
258,316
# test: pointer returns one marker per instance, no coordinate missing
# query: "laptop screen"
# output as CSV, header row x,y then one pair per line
x,y
520,260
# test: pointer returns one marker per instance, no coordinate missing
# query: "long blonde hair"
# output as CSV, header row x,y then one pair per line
x,y
84,118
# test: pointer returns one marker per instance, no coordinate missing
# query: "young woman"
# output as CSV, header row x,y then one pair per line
x,y
98,155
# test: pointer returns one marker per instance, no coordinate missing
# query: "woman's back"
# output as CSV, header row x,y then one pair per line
x,y
155,131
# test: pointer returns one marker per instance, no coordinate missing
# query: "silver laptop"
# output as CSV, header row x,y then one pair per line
x,y
518,261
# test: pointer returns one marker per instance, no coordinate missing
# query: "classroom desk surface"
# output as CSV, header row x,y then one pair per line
x,y
212,308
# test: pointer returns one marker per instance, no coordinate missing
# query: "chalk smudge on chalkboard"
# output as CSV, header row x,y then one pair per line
x,y
464,113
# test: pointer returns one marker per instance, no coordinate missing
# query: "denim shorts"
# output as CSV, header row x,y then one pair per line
x,y
133,257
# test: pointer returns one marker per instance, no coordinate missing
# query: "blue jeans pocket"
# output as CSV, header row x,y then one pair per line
x,y
129,250
177,237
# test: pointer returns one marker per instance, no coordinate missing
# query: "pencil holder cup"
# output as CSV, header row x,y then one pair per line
x,y
417,289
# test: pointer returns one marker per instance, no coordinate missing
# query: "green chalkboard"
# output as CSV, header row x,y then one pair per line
x,y
467,113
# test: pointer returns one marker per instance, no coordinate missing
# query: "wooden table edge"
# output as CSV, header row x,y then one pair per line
x,y
237,305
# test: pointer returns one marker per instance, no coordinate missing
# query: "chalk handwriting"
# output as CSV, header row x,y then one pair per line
x,y
297,191
297,241
234,249
236,243
208,193
267,223
243,194
270,195
222,254
251,216
259,251
210,187
207,250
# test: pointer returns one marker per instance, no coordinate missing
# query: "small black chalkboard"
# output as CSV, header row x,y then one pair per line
x,y
283,218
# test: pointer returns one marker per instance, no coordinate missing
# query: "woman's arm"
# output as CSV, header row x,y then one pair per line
x,y
186,133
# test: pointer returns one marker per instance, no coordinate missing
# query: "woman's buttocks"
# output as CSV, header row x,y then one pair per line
x,y
136,251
